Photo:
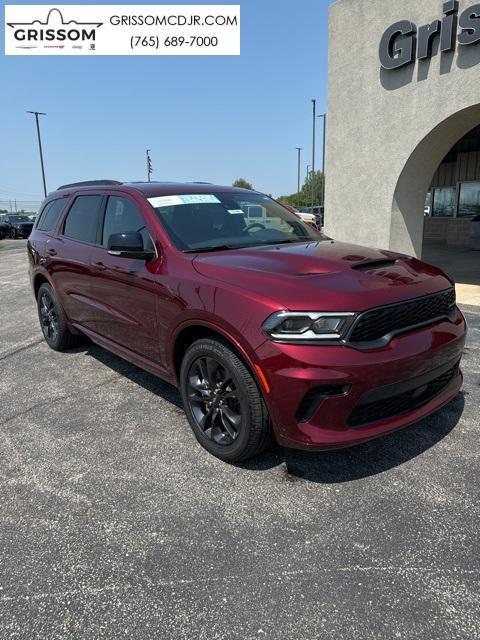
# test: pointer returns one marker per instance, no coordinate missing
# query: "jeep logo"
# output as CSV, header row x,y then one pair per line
x,y
403,42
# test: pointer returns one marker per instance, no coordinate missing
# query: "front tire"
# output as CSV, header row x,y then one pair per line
x,y
53,322
222,402
13,234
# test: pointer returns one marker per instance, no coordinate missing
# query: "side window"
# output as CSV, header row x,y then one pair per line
x,y
50,215
82,219
122,216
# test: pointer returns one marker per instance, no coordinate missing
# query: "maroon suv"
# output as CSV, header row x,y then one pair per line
x,y
268,327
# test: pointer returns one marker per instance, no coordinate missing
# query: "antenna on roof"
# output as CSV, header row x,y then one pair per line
x,y
149,165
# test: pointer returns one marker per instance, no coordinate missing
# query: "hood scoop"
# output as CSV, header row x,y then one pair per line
x,y
374,264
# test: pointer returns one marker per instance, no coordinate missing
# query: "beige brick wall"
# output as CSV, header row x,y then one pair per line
x,y
453,231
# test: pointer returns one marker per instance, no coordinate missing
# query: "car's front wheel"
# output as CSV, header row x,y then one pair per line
x,y
222,401
53,321
13,234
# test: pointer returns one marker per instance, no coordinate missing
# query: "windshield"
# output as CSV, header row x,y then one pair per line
x,y
19,219
228,221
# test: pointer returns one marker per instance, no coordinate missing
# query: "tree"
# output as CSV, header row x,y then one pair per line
x,y
241,183
315,182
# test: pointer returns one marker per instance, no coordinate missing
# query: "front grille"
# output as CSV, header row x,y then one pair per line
x,y
376,324
404,402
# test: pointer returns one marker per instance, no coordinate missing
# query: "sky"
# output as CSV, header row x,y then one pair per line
x,y
204,118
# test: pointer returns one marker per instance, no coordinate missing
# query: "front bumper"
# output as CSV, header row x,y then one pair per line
x,y
328,397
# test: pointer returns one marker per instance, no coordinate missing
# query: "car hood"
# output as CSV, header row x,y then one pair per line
x,y
325,275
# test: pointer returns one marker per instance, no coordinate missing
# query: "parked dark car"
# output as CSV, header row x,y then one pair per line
x,y
15,226
269,328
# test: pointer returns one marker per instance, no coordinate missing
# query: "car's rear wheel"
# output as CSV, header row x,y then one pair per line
x,y
222,401
53,322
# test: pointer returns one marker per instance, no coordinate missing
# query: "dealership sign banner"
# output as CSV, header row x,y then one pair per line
x,y
117,30
404,42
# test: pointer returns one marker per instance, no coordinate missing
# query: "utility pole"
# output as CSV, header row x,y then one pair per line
x,y
324,116
314,108
299,151
149,165
36,114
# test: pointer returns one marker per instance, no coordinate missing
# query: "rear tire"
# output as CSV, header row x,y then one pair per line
x,y
222,401
53,322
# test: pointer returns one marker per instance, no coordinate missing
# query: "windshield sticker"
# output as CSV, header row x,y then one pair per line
x,y
172,201
236,211
164,201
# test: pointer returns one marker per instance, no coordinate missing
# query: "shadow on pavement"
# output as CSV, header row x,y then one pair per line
x,y
146,380
328,467
368,459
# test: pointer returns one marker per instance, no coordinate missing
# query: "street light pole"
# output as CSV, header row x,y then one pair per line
x,y
324,116
299,150
314,108
36,114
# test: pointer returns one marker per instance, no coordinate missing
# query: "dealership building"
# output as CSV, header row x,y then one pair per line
x,y
403,143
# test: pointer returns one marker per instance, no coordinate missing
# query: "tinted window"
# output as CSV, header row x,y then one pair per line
x,y
82,219
51,214
122,216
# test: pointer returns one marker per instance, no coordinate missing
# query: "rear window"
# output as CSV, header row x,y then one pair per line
x,y
50,215
82,219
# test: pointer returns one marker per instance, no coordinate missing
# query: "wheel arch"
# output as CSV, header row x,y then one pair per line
x,y
194,331
38,280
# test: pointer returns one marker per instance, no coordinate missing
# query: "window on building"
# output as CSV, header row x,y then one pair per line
x,y
427,209
82,219
444,202
469,201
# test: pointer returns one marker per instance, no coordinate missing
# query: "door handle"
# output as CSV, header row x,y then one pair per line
x,y
100,266
51,252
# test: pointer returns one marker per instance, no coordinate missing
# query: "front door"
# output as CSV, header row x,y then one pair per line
x,y
123,289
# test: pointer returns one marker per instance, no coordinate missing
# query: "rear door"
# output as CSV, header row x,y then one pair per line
x,y
123,289
68,257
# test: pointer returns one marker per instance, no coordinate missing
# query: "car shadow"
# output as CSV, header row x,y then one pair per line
x,y
137,375
364,460
326,467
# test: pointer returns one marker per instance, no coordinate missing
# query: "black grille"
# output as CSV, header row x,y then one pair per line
x,y
375,324
401,403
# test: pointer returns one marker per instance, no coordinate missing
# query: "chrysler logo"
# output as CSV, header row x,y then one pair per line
x,y
55,31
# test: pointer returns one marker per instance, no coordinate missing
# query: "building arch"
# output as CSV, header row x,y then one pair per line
x,y
407,219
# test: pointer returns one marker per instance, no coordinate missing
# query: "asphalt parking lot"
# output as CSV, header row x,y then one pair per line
x,y
115,523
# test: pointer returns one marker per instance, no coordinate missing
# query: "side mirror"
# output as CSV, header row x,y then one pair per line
x,y
128,245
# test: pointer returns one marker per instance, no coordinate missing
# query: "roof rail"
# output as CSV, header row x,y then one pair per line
x,y
200,182
89,183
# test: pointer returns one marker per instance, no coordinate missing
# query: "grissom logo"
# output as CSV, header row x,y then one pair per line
x,y
54,31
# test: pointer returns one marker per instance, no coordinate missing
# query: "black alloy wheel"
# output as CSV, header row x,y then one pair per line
x,y
53,322
223,402
214,400
48,317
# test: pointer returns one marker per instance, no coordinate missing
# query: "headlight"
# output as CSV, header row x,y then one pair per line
x,y
295,326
